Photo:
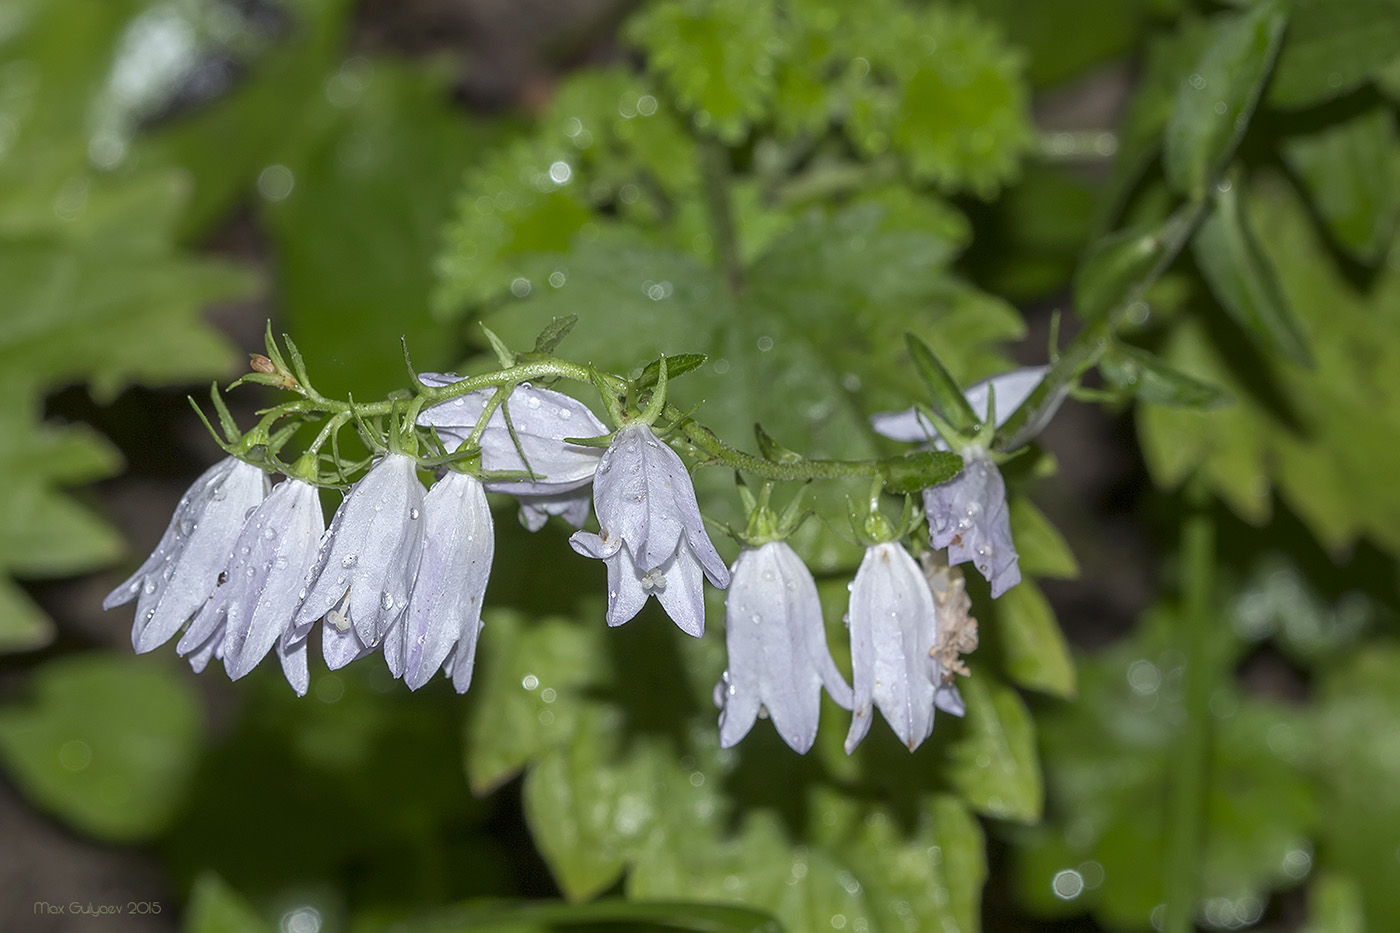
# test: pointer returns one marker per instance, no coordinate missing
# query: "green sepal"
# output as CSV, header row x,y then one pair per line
x,y
299,366
1148,377
948,398
919,469
677,365
772,450
503,353
263,379
602,441
273,353
231,432
556,330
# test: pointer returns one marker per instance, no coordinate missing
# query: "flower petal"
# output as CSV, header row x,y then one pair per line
x,y
177,579
682,593
892,629
968,515
452,575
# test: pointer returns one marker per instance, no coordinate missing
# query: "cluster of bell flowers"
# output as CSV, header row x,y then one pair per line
x,y
246,568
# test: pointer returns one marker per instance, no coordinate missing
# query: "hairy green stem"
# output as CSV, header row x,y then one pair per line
x,y
1190,769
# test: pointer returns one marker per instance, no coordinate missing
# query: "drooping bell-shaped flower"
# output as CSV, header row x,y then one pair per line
x,y
969,516
183,571
542,418
651,534
262,584
444,612
894,632
778,657
367,564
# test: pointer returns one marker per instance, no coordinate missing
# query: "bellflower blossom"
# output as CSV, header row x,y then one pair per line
x,y
176,580
778,658
261,587
894,632
652,537
366,567
968,514
444,612
542,418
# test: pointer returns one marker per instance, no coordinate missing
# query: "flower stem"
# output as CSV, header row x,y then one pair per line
x,y
1186,814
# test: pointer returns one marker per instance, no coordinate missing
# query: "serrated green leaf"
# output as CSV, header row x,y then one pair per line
x,y
1349,169
715,57
1214,104
945,93
106,744
1242,281
995,766
214,907
1333,46
1146,376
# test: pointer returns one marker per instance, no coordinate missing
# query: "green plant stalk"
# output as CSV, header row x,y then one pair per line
x,y
714,169
1186,805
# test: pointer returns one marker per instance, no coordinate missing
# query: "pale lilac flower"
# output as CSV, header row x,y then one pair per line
x,y
652,537
1012,389
778,658
183,570
366,567
542,418
894,629
262,584
968,515
444,612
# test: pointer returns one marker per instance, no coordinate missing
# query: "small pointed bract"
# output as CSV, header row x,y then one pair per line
x,y
367,562
541,418
893,631
1012,389
968,515
183,571
652,536
264,580
444,612
778,657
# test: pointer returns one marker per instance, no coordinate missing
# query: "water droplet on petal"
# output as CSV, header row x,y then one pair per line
x,y
348,562
386,601
185,528
533,403
565,414
149,588
413,514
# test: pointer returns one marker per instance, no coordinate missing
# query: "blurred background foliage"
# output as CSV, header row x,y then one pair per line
x,y
1208,190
